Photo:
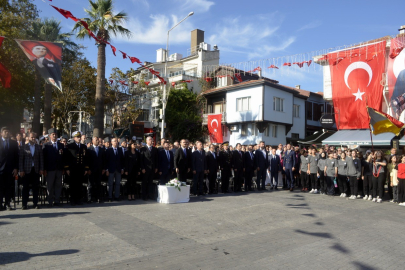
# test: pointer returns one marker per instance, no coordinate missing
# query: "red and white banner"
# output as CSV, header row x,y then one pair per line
x,y
215,128
47,58
5,75
396,76
356,83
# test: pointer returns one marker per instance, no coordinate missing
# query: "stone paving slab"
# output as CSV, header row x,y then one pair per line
x,y
262,230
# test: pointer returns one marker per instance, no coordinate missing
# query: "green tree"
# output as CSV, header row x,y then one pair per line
x,y
16,17
50,30
79,85
183,115
125,101
104,23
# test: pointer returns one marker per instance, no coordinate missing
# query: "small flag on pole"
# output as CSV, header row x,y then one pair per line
x,y
381,122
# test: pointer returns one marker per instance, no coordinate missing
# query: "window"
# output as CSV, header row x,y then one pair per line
x,y
295,136
278,104
244,130
267,131
296,111
317,112
274,131
254,129
309,110
143,116
243,104
156,113
218,107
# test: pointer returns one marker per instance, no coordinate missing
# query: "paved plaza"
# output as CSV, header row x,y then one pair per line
x,y
261,230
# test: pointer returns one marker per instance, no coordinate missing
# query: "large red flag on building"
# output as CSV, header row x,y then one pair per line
x,y
47,58
396,76
356,83
214,128
5,75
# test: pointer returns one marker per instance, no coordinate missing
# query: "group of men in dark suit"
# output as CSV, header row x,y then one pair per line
x,y
95,163
8,167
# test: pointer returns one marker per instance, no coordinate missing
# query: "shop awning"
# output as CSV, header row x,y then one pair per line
x,y
317,137
358,137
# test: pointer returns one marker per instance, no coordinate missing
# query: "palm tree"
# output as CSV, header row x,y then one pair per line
x,y
48,30
104,23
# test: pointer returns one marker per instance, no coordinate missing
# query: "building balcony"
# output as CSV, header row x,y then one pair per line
x,y
205,118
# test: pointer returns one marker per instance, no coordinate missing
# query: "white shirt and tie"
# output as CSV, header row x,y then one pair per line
x,y
6,143
184,151
32,150
55,145
168,157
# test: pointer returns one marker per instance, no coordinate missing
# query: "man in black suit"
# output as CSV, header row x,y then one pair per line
x,y
31,166
274,168
249,168
238,167
96,166
182,161
124,146
149,166
114,167
8,167
77,168
49,70
53,167
261,164
199,166
225,167
166,164
20,140
213,168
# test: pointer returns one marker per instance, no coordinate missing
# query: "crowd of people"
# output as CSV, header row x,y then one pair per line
x,y
83,165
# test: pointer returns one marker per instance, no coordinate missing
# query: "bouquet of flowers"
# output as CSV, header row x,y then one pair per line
x,y
176,183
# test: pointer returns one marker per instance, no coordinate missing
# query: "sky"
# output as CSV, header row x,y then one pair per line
x,y
245,32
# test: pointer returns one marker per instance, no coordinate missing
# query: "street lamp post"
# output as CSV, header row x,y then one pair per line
x,y
164,100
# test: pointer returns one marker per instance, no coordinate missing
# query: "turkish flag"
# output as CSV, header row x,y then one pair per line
x,y
5,76
356,83
396,76
215,128
66,13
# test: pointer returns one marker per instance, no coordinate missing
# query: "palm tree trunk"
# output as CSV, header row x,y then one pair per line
x,y
37,102
47,107
100,91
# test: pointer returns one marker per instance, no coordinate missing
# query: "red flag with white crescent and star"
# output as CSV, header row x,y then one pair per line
x,y
5,75
356,76
396,76
215,128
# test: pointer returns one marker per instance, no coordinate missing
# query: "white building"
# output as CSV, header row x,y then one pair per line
x,y
261,109
179,68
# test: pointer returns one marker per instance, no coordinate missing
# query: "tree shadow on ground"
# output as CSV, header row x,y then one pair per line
x,y
24,214
316,234
14,257
363,266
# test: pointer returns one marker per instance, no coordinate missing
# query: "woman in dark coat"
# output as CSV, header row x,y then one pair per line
x,y
132,169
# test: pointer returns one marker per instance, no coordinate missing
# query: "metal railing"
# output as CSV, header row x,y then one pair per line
x,y
205,117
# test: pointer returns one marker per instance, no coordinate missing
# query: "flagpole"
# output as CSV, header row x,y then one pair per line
x,y
369,127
